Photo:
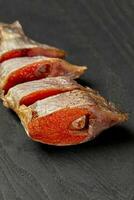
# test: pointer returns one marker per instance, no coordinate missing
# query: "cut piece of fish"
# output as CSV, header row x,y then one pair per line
x,y
69,118
20,70
29,92
14,43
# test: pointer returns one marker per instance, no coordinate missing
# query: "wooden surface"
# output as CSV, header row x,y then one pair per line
x,y
99,34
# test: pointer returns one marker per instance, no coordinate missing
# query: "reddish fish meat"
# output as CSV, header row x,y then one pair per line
x,y
69,118
14,43
30,92
54,110
20,70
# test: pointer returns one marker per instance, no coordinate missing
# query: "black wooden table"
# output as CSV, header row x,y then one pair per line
x,y
99,34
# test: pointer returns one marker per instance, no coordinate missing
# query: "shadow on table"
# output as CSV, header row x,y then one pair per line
x,y
85,83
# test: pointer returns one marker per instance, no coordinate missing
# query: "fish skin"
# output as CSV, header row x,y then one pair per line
x,y
83,110
11,66
12,37
15,94
102,114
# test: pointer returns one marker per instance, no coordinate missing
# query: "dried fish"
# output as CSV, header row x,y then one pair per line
x,y
14,43
69,118
20,70
29,92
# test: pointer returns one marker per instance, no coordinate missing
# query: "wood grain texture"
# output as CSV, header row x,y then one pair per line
x,y
99,34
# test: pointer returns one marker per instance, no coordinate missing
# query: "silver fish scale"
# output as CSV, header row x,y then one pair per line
x,y
16,63
21,90
13,37
75,98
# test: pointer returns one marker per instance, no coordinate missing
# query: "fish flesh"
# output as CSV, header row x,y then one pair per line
x,y
24,69
69,118
32,91
39,86
14,43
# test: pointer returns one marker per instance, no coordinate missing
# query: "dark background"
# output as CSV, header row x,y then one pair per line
x,y
99,34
